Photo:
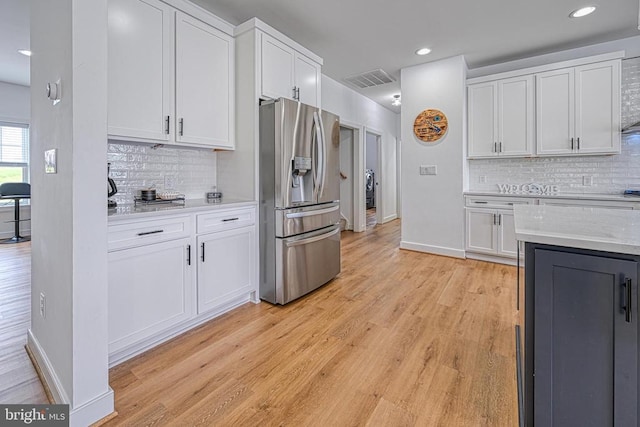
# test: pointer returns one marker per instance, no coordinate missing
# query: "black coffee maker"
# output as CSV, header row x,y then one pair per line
x,y
111,189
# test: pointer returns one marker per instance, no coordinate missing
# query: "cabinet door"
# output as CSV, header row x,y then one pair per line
x,y
225,267
585,350
555,112
150,290
507,242
204,84
307,80
598,107
276,72
481,231
516,116
483,132
140,75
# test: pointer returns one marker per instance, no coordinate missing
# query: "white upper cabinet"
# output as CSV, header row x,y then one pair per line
x,y
501,118
287,73
204,84
170,77
307,80
578,110
598,107
276,77
140,73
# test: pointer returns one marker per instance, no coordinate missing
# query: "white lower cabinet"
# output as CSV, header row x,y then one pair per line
x,y
151,288
226,263
164,278
491,232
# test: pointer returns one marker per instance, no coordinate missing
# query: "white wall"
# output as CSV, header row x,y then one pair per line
x,y
15,101
372,152
356,109
69,217
432,205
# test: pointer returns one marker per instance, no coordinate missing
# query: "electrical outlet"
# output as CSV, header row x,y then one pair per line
x,y
169,182
42,305
429,170
587,180
482,179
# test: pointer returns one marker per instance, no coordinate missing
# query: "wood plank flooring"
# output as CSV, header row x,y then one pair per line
x,y
400,338
19,382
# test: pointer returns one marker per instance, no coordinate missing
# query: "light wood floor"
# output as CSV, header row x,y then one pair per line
x,y
399,339
19,382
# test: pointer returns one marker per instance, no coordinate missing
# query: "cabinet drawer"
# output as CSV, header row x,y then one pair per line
x,y
496,202
225,220
147,231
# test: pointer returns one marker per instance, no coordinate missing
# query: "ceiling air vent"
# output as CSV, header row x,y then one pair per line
x,y
370,78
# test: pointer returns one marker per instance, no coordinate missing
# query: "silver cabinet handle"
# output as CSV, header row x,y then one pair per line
x,y
230,219
188,254
298,94
494,219
500,148
480,203
202,251
166,125
578,143
572,143
145,233
181,126
499,219
495,147
295,93
628,298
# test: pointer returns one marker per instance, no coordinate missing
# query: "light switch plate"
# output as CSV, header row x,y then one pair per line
x,y
428,170
51,161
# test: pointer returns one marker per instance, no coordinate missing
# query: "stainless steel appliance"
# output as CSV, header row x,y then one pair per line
x,y
299,199
370,188
111,188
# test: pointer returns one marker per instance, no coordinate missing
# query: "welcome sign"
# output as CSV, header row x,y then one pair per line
x,y
532,188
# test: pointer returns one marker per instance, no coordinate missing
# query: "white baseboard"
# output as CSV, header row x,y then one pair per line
x,y
389,218
437,250
45,367
492,258
118,356
81,416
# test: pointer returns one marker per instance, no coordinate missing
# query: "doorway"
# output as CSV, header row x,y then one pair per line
x,y
372,178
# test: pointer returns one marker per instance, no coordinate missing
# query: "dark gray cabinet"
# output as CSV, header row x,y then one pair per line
x,y
581,357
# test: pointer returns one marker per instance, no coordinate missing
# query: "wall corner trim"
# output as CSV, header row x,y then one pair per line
x,y
49,375
85,414
436,250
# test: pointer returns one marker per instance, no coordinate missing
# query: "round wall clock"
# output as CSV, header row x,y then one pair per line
x,y
430,125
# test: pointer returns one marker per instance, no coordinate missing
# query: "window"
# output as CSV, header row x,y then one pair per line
x,y
14,152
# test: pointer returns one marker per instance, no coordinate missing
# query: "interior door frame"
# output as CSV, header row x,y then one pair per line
x,y
359,210
379,176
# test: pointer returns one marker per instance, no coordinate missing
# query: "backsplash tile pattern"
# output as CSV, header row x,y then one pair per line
x,y
137,166
610,174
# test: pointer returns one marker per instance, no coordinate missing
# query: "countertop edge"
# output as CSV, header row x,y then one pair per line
x,y
177,210
561,196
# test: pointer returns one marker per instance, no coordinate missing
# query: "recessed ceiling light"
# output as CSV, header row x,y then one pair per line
x,y
423,51
583,11
25,52
396,100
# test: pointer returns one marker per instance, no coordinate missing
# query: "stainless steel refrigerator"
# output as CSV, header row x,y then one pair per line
x,y
299,199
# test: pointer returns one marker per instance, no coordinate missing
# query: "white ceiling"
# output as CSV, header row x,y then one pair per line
x,y
354,36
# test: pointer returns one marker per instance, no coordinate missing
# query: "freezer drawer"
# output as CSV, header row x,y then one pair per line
x,y
306,262
290,222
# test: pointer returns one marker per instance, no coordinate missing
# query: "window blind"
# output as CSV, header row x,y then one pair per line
x,y
14,144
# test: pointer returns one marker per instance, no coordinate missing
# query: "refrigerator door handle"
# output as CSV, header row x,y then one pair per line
x,y
314,150
312,239
313,212
322,152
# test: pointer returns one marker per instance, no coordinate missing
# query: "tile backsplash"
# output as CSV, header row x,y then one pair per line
x,y
138,166
609,174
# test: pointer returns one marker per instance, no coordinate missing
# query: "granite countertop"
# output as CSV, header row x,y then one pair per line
x,y
575,196
600,229
128,211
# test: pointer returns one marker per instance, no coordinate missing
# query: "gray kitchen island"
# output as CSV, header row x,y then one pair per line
x,y
578,316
